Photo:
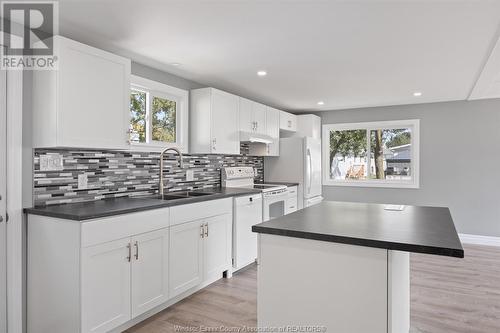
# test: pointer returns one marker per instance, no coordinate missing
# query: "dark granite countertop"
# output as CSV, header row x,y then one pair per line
x,y
287,184
102,208
415,229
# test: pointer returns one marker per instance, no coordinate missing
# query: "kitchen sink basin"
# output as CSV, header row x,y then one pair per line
x,y
183,195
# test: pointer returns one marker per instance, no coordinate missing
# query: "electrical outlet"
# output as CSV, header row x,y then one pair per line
x,y
51,162
83,181
189,175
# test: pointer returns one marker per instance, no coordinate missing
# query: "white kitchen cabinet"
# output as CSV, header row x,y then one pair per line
x,y
218,242
93,276
252,117
214,122
186,256
292,199
273,130
105,286
309,125
85,103
201,243
272,117
260,118
149,270
288,121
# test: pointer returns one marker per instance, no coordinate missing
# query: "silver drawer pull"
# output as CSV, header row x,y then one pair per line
x,y
136,250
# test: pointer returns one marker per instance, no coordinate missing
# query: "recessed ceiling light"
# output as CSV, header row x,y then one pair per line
x,y
176,64
417,94
261,73
321,103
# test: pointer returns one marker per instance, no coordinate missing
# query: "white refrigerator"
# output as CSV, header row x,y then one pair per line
x,y
299,162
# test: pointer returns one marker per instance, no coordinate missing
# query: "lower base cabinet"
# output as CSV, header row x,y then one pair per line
x,y
98,275
149,271
105,286
217,249
186,255
200,251
123,279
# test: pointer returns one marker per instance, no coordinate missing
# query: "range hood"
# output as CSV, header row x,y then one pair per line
x,y
255,137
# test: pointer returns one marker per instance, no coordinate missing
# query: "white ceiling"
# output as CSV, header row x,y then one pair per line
x,y
348,54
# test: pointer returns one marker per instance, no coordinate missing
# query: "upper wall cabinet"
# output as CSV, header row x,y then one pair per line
x,y
273,130
252,116
85,103
288,121
214,122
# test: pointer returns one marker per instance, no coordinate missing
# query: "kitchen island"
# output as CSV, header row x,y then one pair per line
x,y
345,266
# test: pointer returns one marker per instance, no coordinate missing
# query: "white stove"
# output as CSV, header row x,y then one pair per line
x,y
244,177
274,195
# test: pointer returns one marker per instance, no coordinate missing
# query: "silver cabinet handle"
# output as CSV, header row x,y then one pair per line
x,y
129,248
206,229
289,124
214,143
136,244
202,230
1,218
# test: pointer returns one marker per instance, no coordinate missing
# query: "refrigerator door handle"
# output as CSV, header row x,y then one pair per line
x,y
309,170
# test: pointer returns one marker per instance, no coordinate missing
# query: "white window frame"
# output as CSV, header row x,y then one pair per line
x,y
180,96
414,124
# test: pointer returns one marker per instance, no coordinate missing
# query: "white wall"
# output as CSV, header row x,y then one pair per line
x,y
459,161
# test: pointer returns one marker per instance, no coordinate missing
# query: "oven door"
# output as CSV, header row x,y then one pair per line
x,y
274,205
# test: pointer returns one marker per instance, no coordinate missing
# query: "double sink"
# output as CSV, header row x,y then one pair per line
x,y
184,195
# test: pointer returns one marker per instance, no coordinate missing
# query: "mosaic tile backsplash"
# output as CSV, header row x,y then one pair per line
x,y
114,174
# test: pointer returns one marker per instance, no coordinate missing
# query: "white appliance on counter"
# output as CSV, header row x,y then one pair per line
x,y
299,161
250,210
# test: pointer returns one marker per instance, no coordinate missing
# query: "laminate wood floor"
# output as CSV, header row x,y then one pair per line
x,y
448,295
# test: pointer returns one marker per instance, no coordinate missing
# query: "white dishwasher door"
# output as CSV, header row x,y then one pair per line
x,y
247,212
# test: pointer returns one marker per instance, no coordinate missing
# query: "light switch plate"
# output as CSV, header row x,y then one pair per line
x,y
51,162
189,175
83,181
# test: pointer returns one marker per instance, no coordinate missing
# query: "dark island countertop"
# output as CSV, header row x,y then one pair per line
x,y
109,207
414,229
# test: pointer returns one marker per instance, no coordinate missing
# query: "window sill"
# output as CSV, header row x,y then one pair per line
x,y
374,184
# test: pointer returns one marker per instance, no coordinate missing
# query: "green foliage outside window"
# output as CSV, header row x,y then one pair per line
x,y
163,120
137,116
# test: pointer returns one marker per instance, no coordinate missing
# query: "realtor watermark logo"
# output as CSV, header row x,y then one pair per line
x,y
27,31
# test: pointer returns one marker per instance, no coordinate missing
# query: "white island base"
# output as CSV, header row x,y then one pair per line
x,y
343,288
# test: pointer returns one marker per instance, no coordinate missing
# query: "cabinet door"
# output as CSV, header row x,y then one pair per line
x,y
105,286
246,118
259,116
273,130
149,270
288,121
185,257
93,97
225,123
218,243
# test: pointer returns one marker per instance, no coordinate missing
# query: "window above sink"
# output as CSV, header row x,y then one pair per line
x,y
158,115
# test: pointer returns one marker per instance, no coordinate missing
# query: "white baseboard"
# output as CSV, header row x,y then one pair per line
x,y
479,240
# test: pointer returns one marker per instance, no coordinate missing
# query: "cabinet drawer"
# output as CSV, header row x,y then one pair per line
x,y
291,205
121,226
200,210
292,191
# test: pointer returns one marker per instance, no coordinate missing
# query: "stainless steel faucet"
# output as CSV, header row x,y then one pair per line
x,y
181,164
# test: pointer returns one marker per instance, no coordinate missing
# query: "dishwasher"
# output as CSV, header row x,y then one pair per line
x,y
247,212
